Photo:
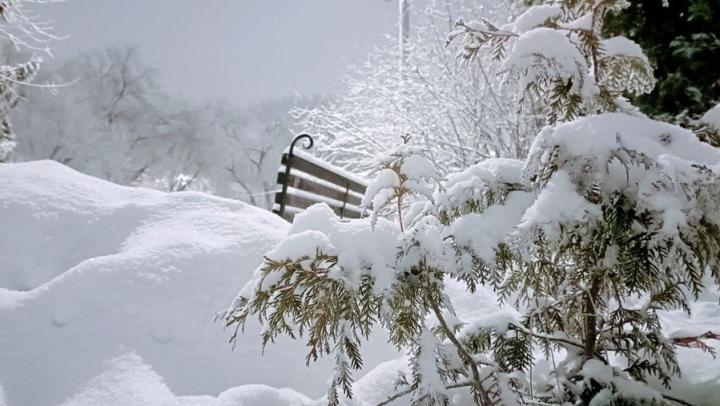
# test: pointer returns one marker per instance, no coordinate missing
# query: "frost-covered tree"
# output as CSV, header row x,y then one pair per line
x,y
612,219
460,113
22,29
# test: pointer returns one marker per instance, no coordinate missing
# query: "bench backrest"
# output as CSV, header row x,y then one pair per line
x,y
306,180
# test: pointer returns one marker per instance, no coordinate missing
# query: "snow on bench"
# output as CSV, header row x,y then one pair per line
x,y
307,180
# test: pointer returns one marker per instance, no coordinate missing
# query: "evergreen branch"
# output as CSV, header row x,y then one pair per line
x,y
462,351
408,391
489,30
676,400
524,330
696,342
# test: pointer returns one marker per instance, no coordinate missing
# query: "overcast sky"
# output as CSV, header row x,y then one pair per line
x,y
241,50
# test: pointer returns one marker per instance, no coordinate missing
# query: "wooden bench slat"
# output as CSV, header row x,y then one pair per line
x,y
301,200
318,189
315,179
304,202
313,169
289,215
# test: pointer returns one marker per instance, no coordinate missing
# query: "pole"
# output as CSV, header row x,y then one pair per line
x,y
404,31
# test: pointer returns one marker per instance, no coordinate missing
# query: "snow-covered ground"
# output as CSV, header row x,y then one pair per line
x,y
108,296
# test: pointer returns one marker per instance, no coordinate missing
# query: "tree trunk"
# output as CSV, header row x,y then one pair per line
x,y
590,318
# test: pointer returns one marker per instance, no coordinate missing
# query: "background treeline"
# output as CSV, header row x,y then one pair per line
x,y
108,116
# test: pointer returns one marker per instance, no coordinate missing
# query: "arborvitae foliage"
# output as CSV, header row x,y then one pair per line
x,y
401,175
612,219
560,55
20,28
707,128
682,41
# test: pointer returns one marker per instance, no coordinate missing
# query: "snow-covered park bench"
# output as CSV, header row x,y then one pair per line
x,y
306,180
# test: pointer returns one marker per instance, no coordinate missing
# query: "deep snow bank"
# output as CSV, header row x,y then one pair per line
x,y
91,272
128,381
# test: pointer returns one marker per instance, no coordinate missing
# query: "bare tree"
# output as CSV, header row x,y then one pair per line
x,y
260,136
122,85
98,123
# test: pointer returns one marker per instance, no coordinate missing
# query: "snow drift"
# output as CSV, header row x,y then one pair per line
x,y
107,286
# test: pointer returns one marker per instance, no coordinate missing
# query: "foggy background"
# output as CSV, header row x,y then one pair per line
x,y
239,50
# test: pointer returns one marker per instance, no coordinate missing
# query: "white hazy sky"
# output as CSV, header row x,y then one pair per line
x,y
241,50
